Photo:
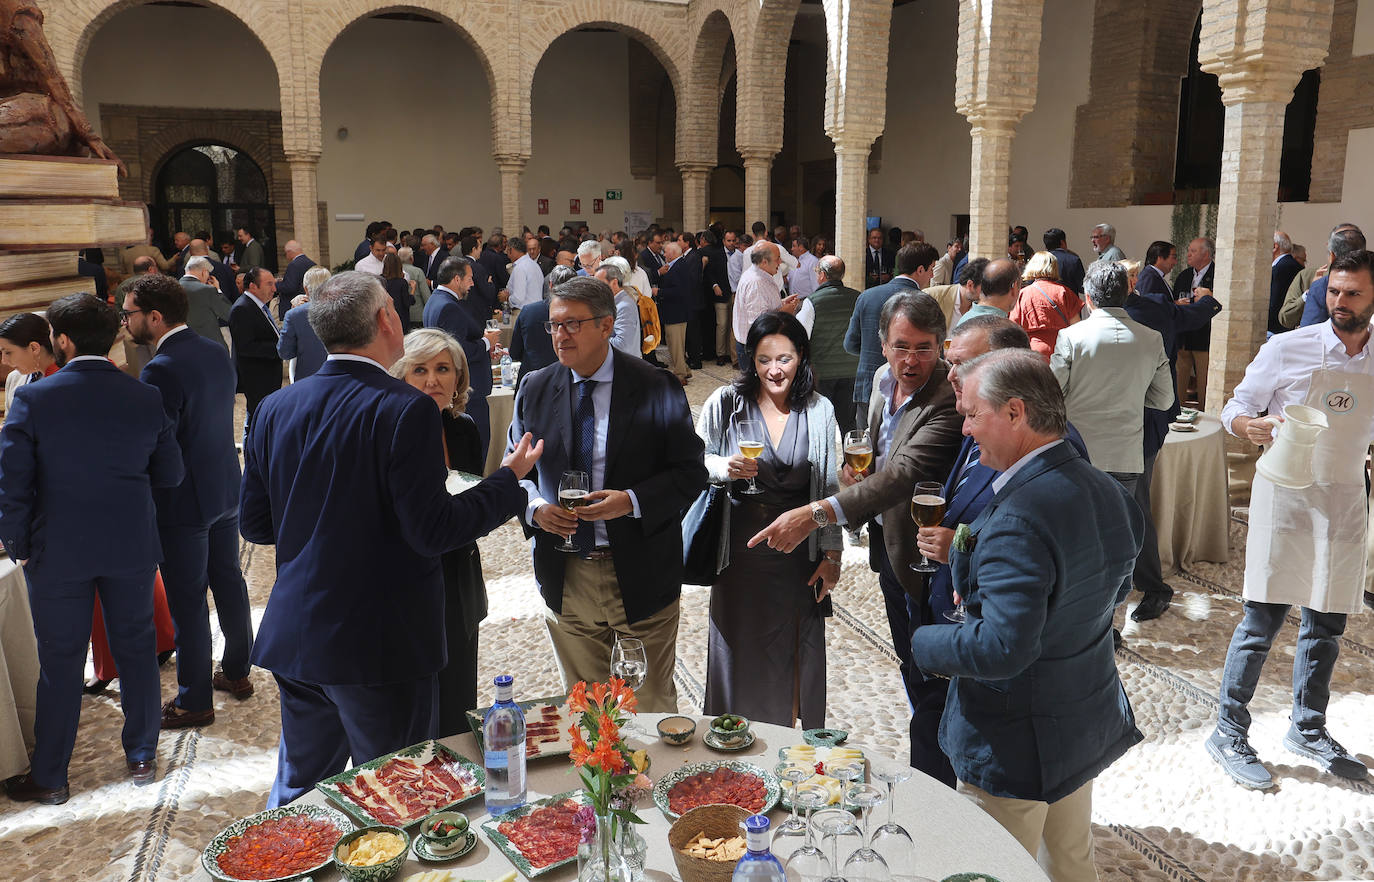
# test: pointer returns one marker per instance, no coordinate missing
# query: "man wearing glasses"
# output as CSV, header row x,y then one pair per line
x,y
916,433
625,424
1103,239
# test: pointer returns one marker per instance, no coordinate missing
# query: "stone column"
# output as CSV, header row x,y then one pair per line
x,y
1258,51
511,167
994,88
305,198
851,205
696,205
758,165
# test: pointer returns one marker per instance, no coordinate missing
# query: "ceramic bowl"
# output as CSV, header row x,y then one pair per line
x,y
377,872
729,737
677,730
442,844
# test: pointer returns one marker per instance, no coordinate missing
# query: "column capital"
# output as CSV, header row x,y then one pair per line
x,y
311,156
992,118
696,167
847,143
1260,82
758,154
511,162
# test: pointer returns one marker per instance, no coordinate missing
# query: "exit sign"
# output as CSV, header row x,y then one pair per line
x,y
615,194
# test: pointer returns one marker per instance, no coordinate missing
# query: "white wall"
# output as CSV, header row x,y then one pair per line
x,y
231,69
1364,28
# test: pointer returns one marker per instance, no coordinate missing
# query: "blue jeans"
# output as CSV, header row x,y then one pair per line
x,y
1313,664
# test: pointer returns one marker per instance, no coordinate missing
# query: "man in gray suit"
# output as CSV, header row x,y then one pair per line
x,y
252,254
208,309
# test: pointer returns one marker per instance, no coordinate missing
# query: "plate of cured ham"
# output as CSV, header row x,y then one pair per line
x,y
541,835
280,843
546,726
404,787
723,783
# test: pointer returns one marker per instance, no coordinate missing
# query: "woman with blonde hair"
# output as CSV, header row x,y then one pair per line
x,y
1045,306
434,363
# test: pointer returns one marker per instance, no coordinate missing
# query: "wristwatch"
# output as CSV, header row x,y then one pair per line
x,y
819,516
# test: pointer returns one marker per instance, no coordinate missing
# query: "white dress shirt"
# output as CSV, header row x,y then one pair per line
x,y
757,293
526,283
734,266
803,281
369,264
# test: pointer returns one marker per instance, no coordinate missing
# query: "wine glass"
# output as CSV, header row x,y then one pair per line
x,y
959,613
493,325
892,840
750,435
793,774
630,663
834,824
572,495
865,863
808,861
858,450
927,510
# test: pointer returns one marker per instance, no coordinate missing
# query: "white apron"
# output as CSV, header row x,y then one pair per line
x,y
1307,547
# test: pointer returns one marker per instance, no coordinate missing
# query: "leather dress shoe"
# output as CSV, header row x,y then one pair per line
x,y
1234,754
22,788
1327,752
174,717
722,361
142,771
240,688
95,686
1152,606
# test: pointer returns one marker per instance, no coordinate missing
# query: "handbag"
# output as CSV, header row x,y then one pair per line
x,y
703,532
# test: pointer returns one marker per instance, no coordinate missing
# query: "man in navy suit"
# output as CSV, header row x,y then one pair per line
x,y
197,521
353,632
493,257
1070,264
1282,272
292,282
1035,709
879,260
254,334
625,424
80,517
1194,347
446,311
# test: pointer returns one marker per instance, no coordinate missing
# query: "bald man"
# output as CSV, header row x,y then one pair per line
x,y
292,282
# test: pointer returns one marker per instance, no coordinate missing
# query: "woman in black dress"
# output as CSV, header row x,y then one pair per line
x,y
401,289
434,363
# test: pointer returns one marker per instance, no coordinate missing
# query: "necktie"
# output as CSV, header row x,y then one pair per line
x,y
584,425
267,312
972,461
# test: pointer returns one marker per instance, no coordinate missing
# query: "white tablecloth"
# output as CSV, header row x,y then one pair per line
x,y
18,671
501,401
952,835
1188,496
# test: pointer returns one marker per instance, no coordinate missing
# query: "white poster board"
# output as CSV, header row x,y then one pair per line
x,y
637,222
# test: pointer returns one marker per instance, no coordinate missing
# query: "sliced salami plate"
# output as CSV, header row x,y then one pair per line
x,y
546,726
539,836
720,783
404,787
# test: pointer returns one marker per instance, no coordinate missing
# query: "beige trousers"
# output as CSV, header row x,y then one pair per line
x,y
593,617
676,338
725,335
1059,834
1193,364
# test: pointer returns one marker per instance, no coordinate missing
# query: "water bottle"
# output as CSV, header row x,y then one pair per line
x,y
507,371
758,864
503,737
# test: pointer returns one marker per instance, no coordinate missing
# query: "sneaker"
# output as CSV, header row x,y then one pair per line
x,y
1326,751
1234,754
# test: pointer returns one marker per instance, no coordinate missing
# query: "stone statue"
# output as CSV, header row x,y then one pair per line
x,y
37,111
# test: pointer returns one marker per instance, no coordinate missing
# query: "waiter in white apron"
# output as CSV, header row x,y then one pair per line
x,y
1305,548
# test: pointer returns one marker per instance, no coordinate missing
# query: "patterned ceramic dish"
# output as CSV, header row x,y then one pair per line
x,y
554,740
823,754
424,752
713,741
423,852
375,872
970,877
511,850
209,859
825,737
771,788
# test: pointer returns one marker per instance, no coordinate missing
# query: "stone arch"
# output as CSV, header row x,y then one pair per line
x,y
758,124
700,103
169,141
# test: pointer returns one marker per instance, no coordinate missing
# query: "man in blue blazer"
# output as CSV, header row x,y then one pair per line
x,y
1282,272
353,632
1035,708
530,344
80,517
292,282
915,264
446,311
625,424
198,520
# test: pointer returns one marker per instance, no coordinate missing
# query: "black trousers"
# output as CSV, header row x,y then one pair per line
x,y
840,393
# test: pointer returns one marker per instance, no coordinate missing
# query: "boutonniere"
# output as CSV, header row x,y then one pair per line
x,y
965,540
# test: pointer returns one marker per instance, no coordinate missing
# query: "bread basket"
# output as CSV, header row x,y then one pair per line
x,y
716,821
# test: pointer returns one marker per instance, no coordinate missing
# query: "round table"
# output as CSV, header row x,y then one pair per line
x,y
18,671
501,404
1188,496
952,835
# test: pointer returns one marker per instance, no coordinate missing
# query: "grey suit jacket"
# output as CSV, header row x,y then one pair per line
x,y
206,308
923,447
422,292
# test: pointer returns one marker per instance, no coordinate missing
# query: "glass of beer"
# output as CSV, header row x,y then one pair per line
x,y
572,495
858,451
927,510
750,436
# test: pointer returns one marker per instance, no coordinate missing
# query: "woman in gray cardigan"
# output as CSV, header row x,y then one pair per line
x,y
766,653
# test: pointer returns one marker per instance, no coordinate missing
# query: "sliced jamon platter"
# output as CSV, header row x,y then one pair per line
x,y
404,787
546,726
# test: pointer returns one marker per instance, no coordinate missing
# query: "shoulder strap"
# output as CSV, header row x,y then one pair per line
x,y
1041,291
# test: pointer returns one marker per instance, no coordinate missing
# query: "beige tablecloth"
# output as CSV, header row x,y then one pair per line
x,y
952,835
502,404
18,671
1188,496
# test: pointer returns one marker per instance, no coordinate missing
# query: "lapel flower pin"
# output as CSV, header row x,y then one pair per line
x,y
964,539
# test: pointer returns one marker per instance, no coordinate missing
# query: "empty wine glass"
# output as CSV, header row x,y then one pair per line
x,y
793,774
892,840
572,495
836,824
493,325
751,442
865,863
847,773
630,662
808,861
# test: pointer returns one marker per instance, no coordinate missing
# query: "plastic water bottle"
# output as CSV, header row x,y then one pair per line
x,y
758,864
507,371
503,739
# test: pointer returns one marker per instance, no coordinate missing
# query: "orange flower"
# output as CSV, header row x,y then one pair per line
x,y
577,699
580,751
628,703
599,692
617,685
607,731
607,758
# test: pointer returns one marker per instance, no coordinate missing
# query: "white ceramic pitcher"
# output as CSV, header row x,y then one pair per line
x,y
1288,461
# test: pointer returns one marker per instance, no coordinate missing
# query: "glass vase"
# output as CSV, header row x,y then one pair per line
x,y
633,848
601,860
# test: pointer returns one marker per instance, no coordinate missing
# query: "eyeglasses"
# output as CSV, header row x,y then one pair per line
x,y
125,313
919,354
571,326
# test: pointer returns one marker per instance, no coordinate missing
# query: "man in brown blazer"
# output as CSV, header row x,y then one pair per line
x,y
916,434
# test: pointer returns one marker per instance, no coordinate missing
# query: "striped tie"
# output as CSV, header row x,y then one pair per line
x,y
968,467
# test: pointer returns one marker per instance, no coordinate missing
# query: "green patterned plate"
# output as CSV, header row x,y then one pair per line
x,y
209,859
970,877
505,846
772,791
421,753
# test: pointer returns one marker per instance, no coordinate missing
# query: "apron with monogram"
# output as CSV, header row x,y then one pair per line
x,y
1307,547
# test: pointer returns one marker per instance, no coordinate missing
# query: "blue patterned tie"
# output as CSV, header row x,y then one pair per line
x,y
271,321
968,467
585,427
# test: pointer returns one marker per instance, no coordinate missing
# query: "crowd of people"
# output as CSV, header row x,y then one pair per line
x,y
1011,387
